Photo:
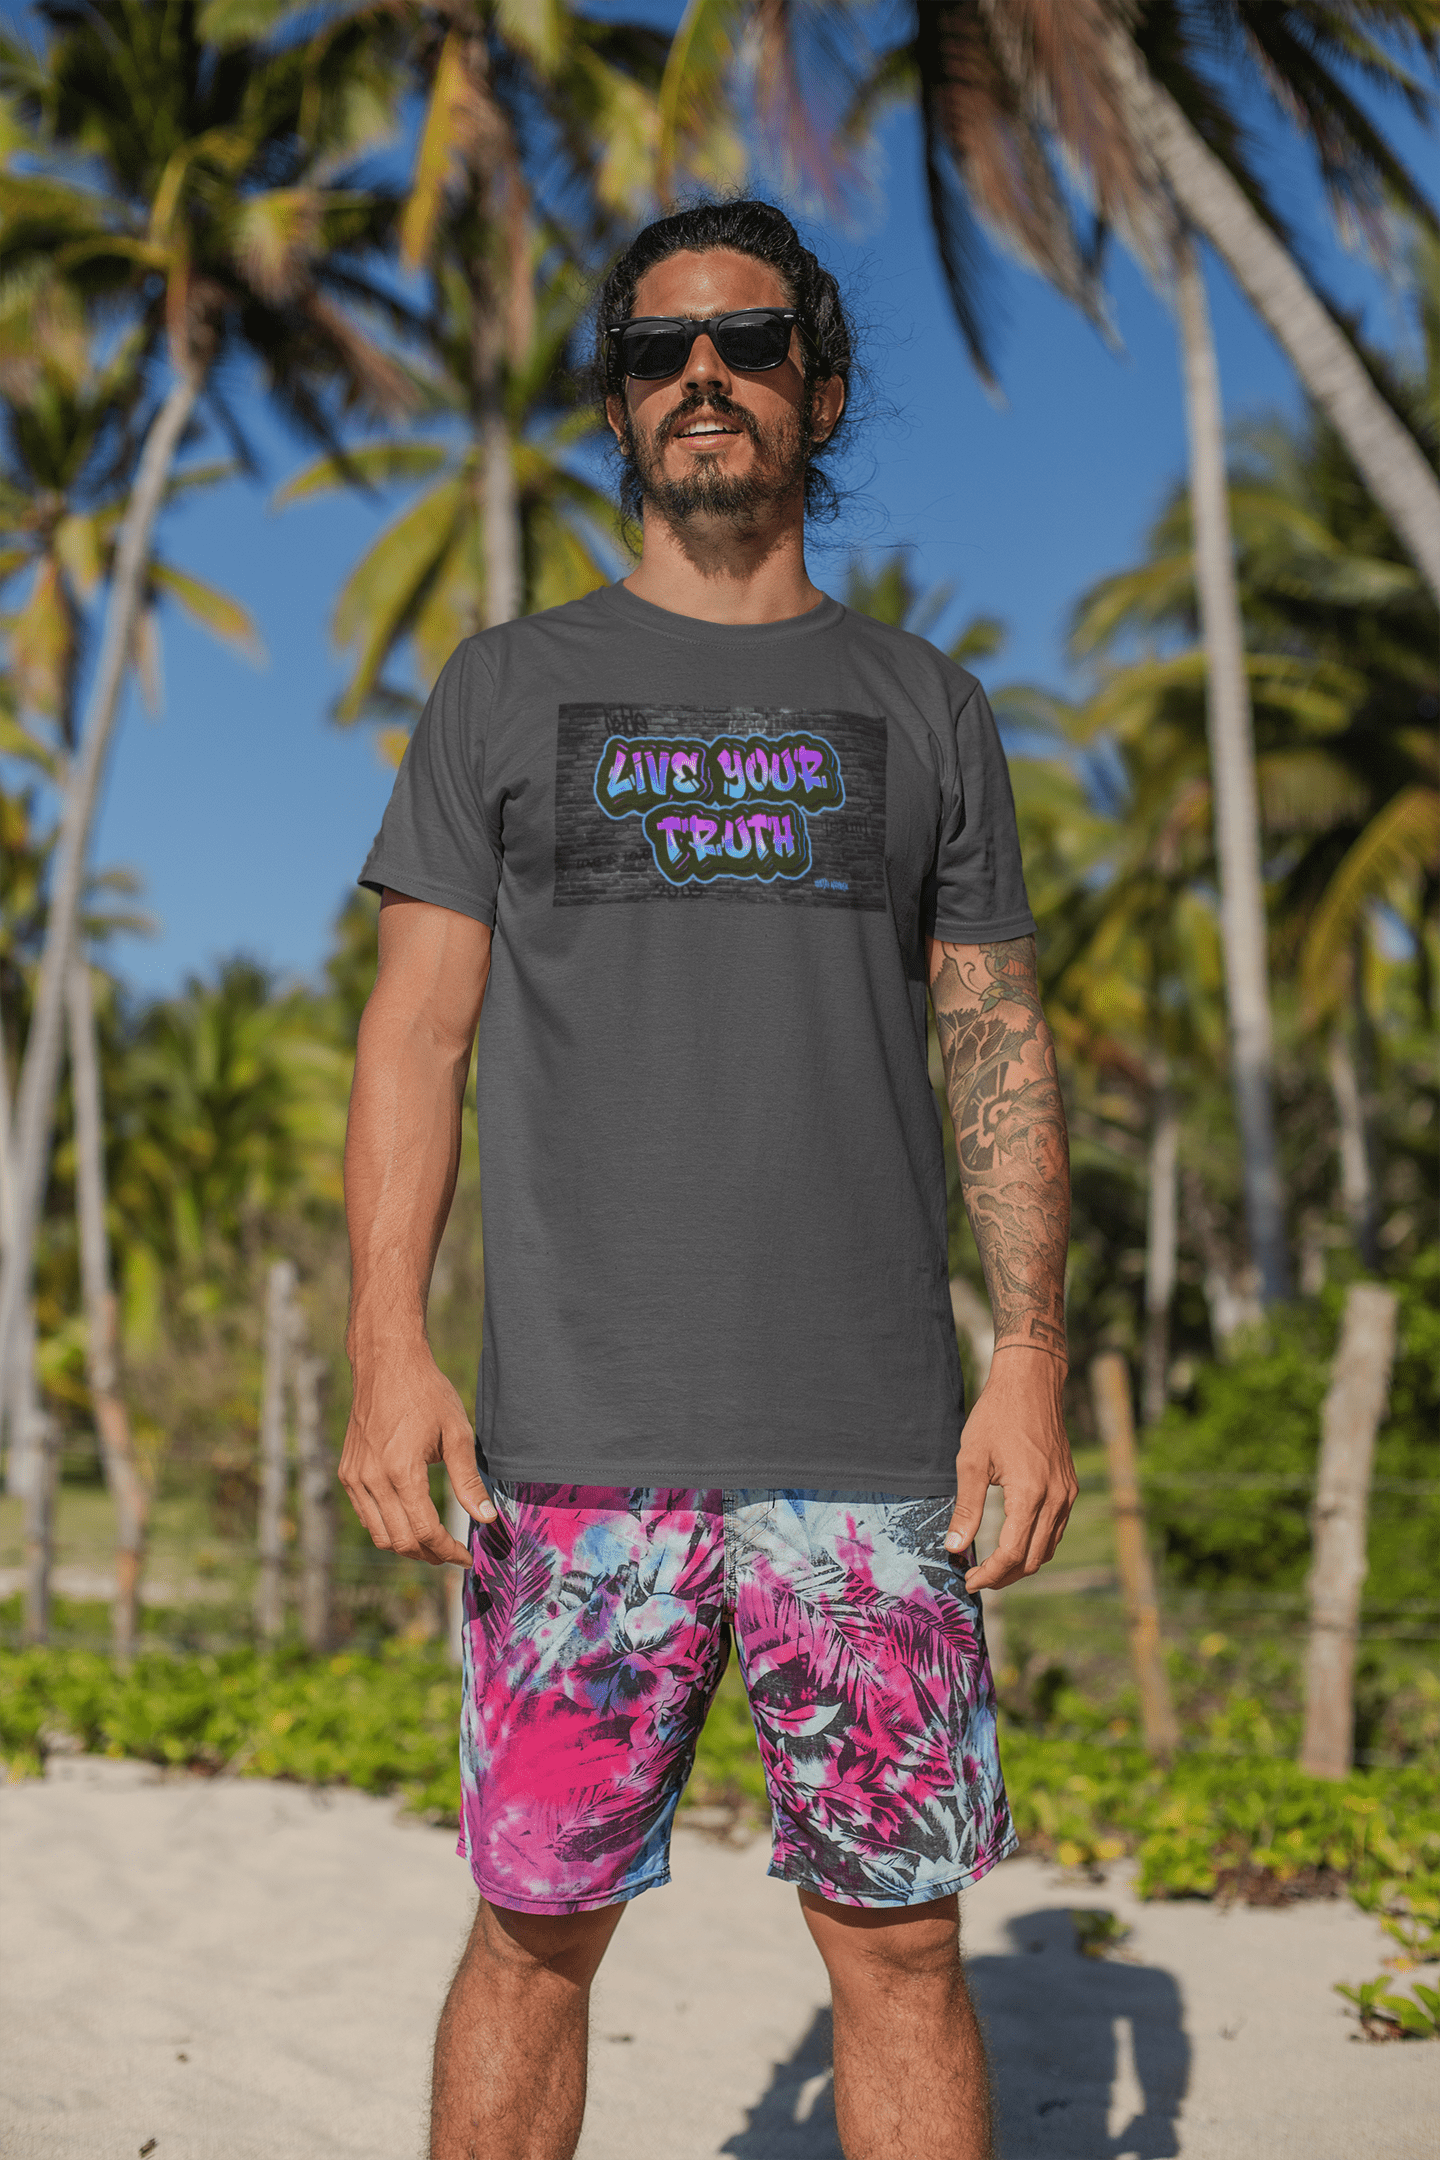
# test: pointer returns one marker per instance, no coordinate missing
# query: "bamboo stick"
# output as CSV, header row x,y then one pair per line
x,y
317,1515
1354,1406
270,1589
1114,1414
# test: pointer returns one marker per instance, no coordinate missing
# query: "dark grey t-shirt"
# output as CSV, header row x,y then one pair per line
x,y
711,1166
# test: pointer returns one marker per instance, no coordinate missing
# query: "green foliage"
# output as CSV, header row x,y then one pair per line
x,y
384,1724
1384,2015
1213,1823
727,1763
387,1724
1098,1932
1258,1417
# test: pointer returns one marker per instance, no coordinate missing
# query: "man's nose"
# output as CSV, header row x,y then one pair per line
x,y
705,370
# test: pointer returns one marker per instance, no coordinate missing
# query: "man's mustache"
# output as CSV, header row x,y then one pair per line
x,y
715,406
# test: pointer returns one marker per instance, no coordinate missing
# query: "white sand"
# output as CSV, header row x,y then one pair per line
x,y
239,1969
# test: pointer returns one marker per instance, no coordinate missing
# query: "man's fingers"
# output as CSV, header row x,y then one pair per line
x,y
972,1483
1013,1552
370,1519
1003,1566
1057,1531
393,1534
1023,1551
458,1451
424,1536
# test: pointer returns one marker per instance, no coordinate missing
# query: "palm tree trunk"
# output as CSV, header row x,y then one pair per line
x,y
112,1424
1232,766
1390,461
1357,1187
11,1376
504,582
504,569
31,1461
41,1070
1352,1084
1162,1230
1229,1301
43,1451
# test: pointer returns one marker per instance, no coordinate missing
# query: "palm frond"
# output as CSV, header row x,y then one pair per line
x,y
695,131
383,591
214,610
373,464
1402,841
459,122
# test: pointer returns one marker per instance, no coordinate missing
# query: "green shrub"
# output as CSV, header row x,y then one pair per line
x,y
1213,1822
1259,1416
384,1724
387,1724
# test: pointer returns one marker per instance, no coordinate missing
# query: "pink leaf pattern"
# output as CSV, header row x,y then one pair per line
x,y
598,1624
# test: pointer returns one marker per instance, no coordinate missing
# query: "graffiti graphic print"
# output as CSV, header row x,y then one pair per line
x,y
662,802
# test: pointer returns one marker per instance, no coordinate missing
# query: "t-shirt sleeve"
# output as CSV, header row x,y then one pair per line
x,y
435,841
979,886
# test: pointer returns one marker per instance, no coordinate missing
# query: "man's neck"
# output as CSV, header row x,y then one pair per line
x,y
714,571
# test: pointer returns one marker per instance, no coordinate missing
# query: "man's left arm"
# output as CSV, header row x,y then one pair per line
x,y
1010,1137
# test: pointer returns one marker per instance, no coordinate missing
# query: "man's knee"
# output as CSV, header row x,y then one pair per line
x,y
889,1946
521,1947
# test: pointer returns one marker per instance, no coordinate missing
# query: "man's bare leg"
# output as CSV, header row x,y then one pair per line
x,y
510,2054
910,2070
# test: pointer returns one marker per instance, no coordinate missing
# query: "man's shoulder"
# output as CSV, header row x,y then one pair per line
x,y
527,635
912,657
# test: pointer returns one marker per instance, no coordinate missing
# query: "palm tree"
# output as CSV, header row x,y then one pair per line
x,y
23,857
1299,52
1161,106
427,578
1129,102
32,1463
225,225
1322,574
887,591
69,435
1341,668
1119,863
232,1106
488,70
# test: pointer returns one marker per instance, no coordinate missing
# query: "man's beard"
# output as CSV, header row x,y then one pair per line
x,y
777,470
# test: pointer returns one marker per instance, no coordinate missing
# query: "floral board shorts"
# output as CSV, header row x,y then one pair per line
x,y
597,1626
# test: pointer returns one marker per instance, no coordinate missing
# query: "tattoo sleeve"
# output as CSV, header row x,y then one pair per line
x,y
1004,1092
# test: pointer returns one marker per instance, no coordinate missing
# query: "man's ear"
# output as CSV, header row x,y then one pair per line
x,y
618,418
827,402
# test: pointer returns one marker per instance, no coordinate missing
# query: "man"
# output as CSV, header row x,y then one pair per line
x,y
698,842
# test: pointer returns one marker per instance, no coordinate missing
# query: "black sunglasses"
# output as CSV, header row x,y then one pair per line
x,y
751,339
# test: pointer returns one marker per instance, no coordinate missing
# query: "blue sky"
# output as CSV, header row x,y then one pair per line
x,y
246,811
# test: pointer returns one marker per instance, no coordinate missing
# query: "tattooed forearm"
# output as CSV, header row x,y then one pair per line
x,y
1004,1096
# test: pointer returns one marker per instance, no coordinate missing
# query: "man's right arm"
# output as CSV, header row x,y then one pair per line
x,y
402,1150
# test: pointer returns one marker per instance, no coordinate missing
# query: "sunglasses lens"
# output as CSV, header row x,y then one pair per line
x,y
753,341
760,339
653,351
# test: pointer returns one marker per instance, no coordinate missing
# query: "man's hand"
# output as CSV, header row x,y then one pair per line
x,y
1004,1091
405,1416
1015,1437
402,1147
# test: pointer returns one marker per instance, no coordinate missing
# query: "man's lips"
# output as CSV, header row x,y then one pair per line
x,y
705,427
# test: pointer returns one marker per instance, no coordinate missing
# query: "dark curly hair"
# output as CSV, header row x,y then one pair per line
x,y
749,228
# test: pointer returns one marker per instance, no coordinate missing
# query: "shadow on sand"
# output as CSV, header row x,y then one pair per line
x,y
1089,2056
